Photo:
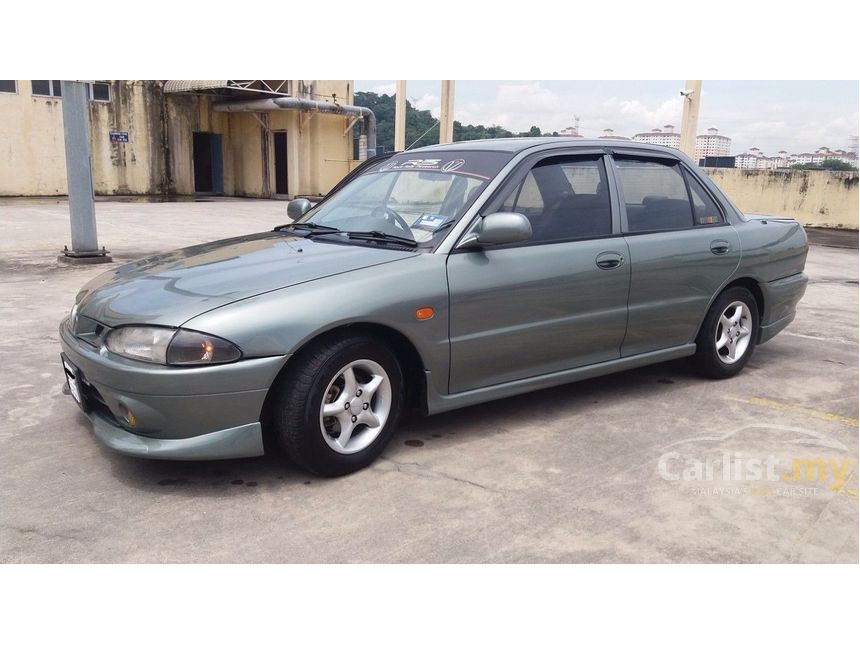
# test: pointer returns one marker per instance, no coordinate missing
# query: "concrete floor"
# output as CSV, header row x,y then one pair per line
x,y
569,474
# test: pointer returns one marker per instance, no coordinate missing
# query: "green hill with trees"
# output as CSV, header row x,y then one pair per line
x,y
422,128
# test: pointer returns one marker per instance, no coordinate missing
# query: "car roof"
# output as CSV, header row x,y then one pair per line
x,y
518,144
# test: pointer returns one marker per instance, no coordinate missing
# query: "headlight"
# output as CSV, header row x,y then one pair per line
x,y
194,348
170,346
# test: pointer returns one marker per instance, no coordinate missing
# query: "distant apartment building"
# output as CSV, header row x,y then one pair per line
x,y
570,131
665,137
755,159
712,144
609,133
821,155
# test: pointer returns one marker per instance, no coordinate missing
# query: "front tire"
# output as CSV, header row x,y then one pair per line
x,y
339,405
728,336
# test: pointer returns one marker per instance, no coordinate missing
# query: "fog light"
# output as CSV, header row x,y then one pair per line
x,y
128,416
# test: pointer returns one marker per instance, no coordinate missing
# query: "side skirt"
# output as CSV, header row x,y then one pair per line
x,y
437,403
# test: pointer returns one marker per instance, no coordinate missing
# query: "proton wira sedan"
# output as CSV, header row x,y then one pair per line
x,y
427,281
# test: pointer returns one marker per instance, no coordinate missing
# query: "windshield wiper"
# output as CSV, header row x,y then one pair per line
x,y
379,235
311,227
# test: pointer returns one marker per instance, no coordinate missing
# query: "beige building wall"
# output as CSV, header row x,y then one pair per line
x,y
813,197
158,159
32,152
32,156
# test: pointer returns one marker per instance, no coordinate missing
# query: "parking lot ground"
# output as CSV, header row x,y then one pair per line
x,y
609,470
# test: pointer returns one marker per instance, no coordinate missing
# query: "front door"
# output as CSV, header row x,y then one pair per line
x,y
280,141
208,163
556,302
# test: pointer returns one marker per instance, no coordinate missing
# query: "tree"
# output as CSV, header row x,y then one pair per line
x,y
420,130
417,121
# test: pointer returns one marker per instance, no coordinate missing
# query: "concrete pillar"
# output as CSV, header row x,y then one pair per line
x,y
400,116
690,118
79,174
446,113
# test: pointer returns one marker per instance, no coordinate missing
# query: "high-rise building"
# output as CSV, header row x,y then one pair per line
x,y
712,144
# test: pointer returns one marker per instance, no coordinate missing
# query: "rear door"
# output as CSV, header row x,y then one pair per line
x,y
553,303
682,250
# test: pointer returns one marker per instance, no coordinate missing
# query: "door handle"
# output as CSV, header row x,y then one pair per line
x,y
609,260
720,247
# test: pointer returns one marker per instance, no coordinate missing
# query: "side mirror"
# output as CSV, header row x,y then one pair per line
x,y
498,228
298,207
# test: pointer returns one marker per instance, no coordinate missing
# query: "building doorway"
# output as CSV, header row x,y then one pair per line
x,y
208,163
280,143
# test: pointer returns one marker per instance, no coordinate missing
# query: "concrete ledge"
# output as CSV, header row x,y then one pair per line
x,y
833,237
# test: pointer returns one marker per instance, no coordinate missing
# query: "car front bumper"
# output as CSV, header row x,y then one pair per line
x,y
162,412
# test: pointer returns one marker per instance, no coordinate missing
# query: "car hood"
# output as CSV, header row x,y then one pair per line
x,y
170,288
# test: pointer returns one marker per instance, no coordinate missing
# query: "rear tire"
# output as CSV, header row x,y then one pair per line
x,y
728,335
339,404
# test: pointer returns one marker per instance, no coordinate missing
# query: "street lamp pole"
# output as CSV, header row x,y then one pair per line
x,y
76,133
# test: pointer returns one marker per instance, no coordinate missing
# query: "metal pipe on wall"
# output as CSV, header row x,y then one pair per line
x,y
307,105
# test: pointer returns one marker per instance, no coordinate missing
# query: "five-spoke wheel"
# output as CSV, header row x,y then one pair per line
x,y
356,406
734,331
728,335
338,403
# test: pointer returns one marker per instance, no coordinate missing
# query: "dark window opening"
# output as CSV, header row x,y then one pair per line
x,y
10,87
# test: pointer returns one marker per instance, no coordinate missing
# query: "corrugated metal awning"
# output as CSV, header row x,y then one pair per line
x,y
193,86
273,88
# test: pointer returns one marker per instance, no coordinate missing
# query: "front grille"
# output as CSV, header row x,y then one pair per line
x,y
91,331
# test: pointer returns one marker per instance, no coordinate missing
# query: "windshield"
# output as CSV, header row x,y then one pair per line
x,y
413,195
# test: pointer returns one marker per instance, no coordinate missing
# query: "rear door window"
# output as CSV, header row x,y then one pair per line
x,y
655,195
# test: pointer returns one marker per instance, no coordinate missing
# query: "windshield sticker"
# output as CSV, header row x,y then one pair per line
x,y
429,222
413,164
431,165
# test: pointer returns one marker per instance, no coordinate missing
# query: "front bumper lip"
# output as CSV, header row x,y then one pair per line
x,y
230,443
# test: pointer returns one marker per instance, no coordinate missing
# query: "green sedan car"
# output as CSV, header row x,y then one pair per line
x,y
427,281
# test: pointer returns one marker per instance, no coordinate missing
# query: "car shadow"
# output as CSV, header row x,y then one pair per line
x,y
249,476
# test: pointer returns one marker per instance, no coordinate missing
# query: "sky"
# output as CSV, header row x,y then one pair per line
x,y
796,116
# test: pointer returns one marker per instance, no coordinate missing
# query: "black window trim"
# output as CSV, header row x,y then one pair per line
x,y
655,156
516,178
